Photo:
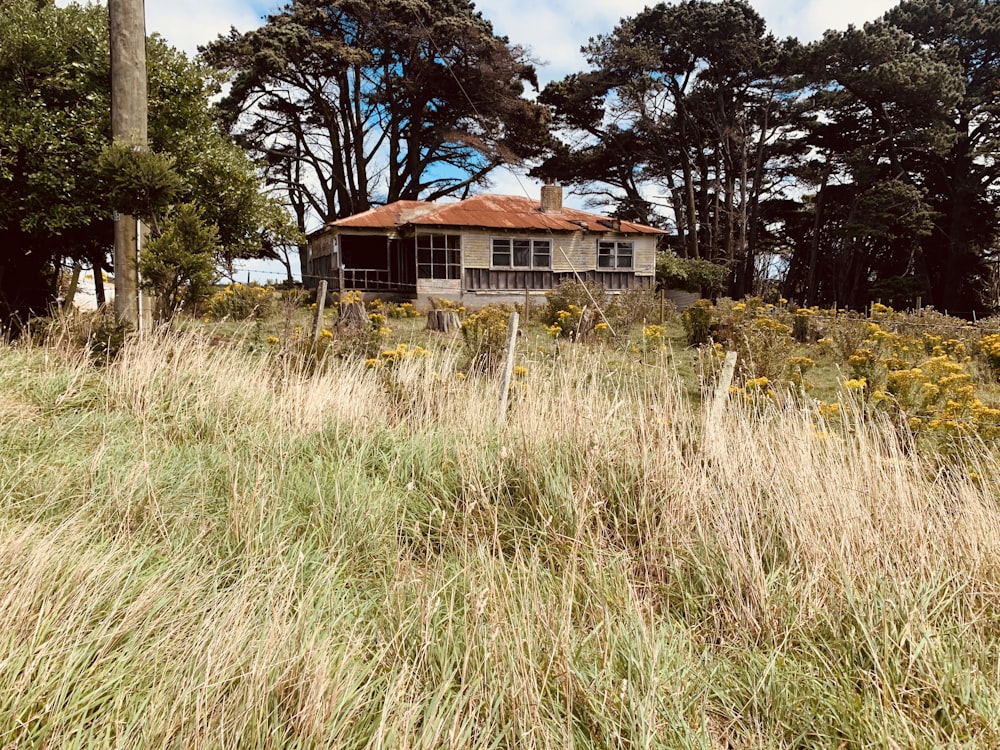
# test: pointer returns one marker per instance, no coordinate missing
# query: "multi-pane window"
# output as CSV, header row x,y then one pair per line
x,y
439,256
521,253
614,254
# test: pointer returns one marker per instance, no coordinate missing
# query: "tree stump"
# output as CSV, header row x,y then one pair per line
x,y
445,321
353,315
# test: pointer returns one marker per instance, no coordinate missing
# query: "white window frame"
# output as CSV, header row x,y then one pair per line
x,y
534,250
449,262
610,255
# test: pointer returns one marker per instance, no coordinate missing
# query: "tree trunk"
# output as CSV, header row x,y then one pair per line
x,y
98,265
811,282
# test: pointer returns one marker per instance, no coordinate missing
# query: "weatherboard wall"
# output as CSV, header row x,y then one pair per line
x,y
570,252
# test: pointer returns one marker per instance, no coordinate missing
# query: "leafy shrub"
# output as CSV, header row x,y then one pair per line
x,y
108,337
484,334
242,302
563,311
697,322
763,345
179,265
689,274
989,346
632,307
99,333
397,310
389,358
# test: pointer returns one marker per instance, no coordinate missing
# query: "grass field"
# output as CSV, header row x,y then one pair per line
x,y
204,545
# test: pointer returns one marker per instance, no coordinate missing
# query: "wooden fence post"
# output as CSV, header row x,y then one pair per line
x,y
722,389
320,304
508,368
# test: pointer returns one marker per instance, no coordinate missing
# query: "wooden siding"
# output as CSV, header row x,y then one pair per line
x,y
476,250
645,256
570,252
483,279
574,252
322,245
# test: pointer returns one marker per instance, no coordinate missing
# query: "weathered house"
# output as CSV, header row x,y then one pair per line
x,y
487,248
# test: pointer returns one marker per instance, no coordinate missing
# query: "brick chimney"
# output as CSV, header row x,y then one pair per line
x,y
551,198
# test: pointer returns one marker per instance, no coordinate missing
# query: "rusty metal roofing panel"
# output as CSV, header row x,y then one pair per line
x,y
385,217
507,212
513,212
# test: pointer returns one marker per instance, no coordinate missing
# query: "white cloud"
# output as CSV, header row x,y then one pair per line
x,y
556,29
187,24
809,20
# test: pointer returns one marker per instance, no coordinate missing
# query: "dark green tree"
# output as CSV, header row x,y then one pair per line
x,y
55,199
687,102
357,102
961,180
53,124
902,158
178,265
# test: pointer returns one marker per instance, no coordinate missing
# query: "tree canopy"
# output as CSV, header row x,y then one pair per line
x,y
56,192
860,166
359,102
861,163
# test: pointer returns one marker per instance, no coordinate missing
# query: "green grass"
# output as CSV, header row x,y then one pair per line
x,y
201,545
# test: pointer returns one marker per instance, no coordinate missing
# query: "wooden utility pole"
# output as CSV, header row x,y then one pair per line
x,y
127,20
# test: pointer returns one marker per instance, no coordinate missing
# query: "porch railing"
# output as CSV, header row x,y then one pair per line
x,y
374,280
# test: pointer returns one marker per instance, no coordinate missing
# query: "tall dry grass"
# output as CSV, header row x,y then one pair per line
x,y
206,547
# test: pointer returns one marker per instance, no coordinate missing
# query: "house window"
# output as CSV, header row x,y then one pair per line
x,y
439,256
521,253
615,253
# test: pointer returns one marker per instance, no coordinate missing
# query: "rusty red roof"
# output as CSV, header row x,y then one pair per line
x,y
510,212
390,215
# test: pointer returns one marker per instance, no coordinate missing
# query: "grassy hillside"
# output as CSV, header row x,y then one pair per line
x,y
204,546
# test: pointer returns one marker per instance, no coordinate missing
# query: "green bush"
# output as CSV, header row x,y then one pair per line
x,y
697,322
689,274
565,304
633,306
242,302
178,266
484,334
763,345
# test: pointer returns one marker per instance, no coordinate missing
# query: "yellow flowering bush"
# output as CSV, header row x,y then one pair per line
x,y
753,390
564,306
763,345
797,367
484,335
989,347
401,310
402,352
654,335
242,302
697,322
448,305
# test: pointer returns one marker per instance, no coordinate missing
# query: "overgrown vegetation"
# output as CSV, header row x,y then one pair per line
x,y
209,543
